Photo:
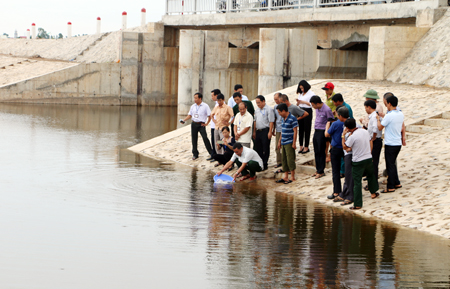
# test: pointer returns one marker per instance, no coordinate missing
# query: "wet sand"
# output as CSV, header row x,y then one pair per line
x,y
424,164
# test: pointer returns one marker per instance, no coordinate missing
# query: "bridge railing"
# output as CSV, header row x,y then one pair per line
x,y
182,7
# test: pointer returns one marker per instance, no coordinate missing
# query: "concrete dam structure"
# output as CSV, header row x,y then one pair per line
x,y
265,48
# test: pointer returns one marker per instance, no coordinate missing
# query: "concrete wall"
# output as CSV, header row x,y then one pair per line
x,y
94,83
388,45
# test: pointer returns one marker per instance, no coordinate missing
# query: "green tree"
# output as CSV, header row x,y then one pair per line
x,y
42,34
60,36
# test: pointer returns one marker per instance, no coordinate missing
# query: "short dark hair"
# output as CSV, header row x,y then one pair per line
x,y
350,123
237,145
277,93
238,86
343,111
199,95
226,128
221,96
244,104
216,91
237,94
370,103
282,107
261,98
387,94
337,98
305,85
393,100
284,97
315,99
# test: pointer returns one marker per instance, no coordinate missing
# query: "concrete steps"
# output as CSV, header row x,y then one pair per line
x,y
420,129
437,122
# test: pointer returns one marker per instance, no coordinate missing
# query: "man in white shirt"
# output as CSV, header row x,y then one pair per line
x,y
359,144
375,134
201,115
243,123
240,89
248,161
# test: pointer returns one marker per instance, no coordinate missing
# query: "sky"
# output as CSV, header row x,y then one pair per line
x,y
53,15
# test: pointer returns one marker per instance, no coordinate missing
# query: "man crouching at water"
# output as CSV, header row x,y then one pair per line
x,y
248,161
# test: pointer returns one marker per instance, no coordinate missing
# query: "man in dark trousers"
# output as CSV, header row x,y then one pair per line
x,y
262,129
323,113
201,116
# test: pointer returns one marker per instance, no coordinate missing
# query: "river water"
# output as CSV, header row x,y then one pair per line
x,y
78,210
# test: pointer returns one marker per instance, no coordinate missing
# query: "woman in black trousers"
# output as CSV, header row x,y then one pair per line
x,y
304,125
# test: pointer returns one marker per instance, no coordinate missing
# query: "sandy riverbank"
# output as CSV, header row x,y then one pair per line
x,y
424,164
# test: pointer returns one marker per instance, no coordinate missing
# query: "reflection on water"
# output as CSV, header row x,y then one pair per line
x,y
80,211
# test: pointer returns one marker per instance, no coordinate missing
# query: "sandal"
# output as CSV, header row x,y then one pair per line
x,y
244,178
315,174
354,208
279,181
338,199
398,187
346,202
305,152
376,196
366,187
388,191
216,165
318,176
279,171
278,166
287,182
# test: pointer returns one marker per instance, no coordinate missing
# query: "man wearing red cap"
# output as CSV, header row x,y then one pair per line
x,y
329,92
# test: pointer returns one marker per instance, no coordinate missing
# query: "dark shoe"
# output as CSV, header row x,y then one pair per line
x,y
365,179
213,160
231,168
278,166
210,158
342,176
303,152
331,197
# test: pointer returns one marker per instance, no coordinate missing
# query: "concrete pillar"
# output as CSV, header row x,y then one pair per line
x,y
143,16
302,58
33,31
190,68
216,63
124,20
99,25
428,16
28,33
69,29
271,60
388,45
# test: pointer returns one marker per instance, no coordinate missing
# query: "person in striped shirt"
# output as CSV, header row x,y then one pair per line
x,y
287,143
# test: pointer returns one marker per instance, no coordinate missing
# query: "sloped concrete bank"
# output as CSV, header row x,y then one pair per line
x,y
424,164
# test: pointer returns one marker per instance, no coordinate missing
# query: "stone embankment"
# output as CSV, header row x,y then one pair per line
x,y
427,63
22,59
424,163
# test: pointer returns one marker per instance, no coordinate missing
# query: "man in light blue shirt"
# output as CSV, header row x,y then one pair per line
x,y
393,122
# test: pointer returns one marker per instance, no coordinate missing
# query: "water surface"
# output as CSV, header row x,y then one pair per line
x,y
78,210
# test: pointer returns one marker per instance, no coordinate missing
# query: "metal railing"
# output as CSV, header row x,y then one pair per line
x,y
182,7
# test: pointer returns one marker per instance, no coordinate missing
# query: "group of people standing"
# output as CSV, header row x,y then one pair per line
x,y
352,148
